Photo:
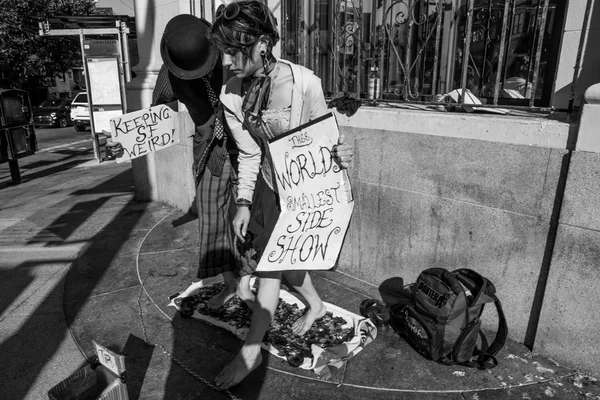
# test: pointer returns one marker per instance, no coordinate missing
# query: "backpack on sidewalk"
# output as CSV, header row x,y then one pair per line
x,y
439,316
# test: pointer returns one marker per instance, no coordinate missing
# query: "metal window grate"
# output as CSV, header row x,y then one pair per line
x,y
502,51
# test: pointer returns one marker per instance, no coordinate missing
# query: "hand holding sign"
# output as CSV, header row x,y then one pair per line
x,y
343,153
144,131
113,149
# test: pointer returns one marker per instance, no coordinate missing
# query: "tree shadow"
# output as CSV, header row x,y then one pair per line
x,y
30,347
45,172
26,352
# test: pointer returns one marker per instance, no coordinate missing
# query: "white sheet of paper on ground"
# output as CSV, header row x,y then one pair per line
x,y
364,331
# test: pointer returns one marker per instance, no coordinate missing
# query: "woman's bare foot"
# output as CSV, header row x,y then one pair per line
x,y
303,324
245,362
226,294
221,298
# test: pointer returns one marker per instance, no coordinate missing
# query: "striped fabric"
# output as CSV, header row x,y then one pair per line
x,y
163,92
215,197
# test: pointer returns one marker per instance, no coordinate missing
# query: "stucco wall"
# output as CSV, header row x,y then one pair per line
x,y
568,328
452,190
478,201
570,316
478,192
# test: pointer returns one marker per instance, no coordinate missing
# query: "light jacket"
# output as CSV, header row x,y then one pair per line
x,y
308,103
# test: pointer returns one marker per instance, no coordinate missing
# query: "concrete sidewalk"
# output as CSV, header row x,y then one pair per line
x,y
81,260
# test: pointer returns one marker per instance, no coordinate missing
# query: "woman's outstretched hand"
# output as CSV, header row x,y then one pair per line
x,y
343,153
240,222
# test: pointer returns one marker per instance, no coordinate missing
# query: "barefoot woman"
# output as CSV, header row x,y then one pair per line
x,y
265,98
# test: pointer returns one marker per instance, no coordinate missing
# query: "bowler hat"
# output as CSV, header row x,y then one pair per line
x,y
185,49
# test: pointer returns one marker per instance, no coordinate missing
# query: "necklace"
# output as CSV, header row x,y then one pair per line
x,y
273,79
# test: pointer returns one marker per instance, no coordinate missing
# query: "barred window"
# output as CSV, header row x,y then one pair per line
x,y
503,51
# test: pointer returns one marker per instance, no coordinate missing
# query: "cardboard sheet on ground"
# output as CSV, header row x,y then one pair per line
x,y
336,356
315,197
145,131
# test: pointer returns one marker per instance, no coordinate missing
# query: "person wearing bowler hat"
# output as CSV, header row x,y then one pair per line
x,y
192,74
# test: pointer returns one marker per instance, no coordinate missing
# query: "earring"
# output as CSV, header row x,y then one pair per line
x,y
263,49
266,64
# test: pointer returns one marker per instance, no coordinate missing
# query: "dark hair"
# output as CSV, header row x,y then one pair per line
x,y
241,24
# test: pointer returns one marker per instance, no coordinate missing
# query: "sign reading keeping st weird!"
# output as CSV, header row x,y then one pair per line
x,y
315,197
145,131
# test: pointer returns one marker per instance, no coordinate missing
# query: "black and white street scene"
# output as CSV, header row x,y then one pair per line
x,y
281,199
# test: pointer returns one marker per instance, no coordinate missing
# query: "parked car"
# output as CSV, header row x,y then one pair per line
x,y
54,112
80,112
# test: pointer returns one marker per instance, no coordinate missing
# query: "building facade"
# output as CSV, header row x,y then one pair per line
x,y
511,191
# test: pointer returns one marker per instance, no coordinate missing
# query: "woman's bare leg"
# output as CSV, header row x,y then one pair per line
x,y
302,282
244,291
249,356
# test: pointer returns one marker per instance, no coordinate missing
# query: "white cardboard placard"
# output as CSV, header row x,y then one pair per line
x,y
315,197
110,360
145,131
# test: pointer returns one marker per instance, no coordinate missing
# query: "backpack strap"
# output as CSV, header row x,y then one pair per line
x,y
484,358
486,292
489,361
501,333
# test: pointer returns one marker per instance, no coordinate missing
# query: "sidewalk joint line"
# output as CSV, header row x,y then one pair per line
x,y
103,294
164,251
358,279
453,199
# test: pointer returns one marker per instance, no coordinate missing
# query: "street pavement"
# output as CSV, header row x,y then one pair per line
x,y
81,260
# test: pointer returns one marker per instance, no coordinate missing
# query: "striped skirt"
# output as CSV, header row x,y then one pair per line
x,y
215,198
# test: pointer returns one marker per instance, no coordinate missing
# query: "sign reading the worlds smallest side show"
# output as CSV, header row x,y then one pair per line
x,y
145,131
315,197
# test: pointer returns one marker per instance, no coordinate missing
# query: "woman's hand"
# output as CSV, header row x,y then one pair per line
x,y
241,221
343,153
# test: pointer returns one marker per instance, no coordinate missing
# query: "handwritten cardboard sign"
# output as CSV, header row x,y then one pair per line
x,y
145,131
111,360
315,197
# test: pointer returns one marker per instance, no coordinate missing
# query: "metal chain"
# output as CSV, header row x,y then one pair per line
x,y
173,358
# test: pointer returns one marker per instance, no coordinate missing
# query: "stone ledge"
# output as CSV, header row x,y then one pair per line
x,y
592,94
589,137
511,129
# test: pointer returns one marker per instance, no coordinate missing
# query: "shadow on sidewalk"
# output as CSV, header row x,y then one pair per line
x,y
66,153
27,351
72,159
167,265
